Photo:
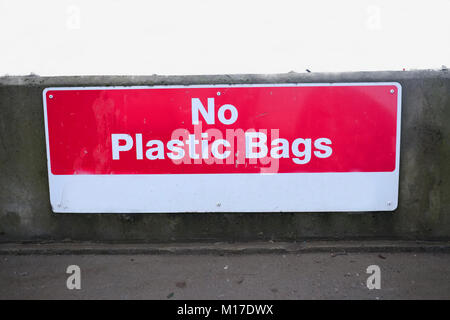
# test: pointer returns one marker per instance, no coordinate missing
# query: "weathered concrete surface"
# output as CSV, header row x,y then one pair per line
x,y
258,276
424,200
224,248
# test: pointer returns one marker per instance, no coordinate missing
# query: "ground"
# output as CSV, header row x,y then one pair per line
x,y
309,275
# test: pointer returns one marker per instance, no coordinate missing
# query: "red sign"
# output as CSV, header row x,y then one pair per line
x,y
222,129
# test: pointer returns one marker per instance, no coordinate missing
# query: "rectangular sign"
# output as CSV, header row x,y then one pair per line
x,y
224,148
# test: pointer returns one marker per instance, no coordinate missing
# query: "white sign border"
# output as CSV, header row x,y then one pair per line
x,y
173,193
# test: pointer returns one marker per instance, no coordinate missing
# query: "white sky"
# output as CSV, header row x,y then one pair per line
x,y
76,37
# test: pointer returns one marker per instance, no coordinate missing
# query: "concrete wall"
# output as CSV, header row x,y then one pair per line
x,y
424,200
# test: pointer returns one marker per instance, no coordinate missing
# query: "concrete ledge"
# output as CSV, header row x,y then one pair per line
x,y
290,77
332,247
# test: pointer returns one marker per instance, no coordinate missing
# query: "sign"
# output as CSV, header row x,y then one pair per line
x,y
224,148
